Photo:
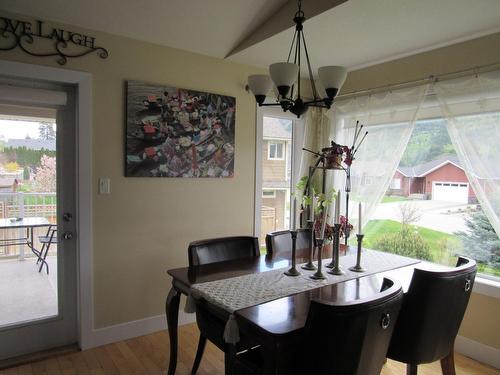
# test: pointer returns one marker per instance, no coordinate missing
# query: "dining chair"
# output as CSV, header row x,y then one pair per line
x,y
281,241
47,240
211,251
339,338
431,315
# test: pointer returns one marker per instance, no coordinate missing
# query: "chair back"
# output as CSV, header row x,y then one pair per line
x,y
222,249
281,241
351,338
432,312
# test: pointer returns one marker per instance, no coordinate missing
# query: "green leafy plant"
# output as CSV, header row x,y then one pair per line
x,y
406,242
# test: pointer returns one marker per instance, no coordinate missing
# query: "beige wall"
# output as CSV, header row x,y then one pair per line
x,y
481,322
144,226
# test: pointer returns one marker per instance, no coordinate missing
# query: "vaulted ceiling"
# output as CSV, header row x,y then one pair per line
x,y
354,33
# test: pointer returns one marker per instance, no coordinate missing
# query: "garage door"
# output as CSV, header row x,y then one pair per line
x,y
450,192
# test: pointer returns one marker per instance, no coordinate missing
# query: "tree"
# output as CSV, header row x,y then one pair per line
x,y
44,178
409,213
480,241
46,130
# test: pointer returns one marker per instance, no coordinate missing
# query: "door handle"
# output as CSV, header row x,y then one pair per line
x,y
67,216
67,236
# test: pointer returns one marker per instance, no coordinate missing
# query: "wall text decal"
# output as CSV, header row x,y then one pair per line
x,y
66,44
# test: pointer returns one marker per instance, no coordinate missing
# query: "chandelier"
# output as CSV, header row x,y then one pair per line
x,y
286,78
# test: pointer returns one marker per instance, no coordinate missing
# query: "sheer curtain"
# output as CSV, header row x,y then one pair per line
x,y
471,106
389,118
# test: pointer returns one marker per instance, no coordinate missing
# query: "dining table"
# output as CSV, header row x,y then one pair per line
x,y
279,322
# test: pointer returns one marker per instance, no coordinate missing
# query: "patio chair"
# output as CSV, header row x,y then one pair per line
x,y
47,240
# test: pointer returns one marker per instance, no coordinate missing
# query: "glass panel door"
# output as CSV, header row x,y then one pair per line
x,y
37,266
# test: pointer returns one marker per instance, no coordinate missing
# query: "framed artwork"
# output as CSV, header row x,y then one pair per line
x,y
173,132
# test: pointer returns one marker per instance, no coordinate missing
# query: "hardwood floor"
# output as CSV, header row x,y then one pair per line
x,y
149,355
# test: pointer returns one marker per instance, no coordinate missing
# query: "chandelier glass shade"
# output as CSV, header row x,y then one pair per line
x,y
285,76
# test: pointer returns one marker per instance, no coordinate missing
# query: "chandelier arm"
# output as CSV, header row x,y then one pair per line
x,y
311,78
291,46
298,74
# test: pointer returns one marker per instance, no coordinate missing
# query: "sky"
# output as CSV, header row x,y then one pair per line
x,y
13,129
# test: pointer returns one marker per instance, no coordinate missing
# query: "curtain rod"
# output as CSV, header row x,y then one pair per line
x,y
417,82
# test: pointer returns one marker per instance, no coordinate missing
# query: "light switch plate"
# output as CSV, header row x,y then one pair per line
x,y
104,186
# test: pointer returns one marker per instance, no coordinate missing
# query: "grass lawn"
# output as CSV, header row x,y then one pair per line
x,y
442,245
377,228
388,199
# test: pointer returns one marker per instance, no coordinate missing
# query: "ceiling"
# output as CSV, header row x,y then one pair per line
x,y
356,33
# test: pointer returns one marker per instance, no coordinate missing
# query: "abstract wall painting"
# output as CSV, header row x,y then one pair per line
x,y
173,132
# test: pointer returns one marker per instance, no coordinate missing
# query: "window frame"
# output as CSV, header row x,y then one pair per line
x,y
273,195
276,143
298,130
393,181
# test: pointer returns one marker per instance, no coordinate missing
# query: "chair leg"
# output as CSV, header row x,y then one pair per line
x,y
411,369
448,364
199,353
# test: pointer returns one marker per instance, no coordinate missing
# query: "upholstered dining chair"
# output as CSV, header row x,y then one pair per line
x,y
431,315
212,251
281,241
339,338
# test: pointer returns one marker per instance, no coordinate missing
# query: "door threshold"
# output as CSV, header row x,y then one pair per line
x,y
38,356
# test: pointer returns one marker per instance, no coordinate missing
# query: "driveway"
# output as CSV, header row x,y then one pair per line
x,y
436,215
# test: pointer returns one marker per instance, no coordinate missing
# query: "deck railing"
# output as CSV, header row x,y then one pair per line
x,y
20,204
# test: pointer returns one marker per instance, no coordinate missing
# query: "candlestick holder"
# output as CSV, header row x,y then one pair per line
x,y
293,270
310,265
335,244
357,267
318,275
337,269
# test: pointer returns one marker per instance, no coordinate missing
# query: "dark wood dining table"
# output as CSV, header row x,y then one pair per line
x,y
277,323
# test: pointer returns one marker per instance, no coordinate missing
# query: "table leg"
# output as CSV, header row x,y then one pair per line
x,y
172,311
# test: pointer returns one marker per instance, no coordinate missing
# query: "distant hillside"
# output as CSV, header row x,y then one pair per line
x,y
429,140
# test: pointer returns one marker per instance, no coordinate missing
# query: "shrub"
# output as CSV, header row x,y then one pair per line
x,y
406,242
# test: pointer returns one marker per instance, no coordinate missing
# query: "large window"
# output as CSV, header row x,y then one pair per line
x,y
277,137
439,216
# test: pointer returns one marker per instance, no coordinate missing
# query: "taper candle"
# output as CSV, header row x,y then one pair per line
x,y
313,205
337,208
360,220
323,225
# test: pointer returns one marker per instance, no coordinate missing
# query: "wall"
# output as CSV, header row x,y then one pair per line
x,y
481,320
273,170
144,226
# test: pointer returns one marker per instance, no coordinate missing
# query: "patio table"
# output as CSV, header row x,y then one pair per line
x,y
28,223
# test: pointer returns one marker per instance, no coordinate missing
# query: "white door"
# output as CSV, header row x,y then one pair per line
x,y
38,288
450,192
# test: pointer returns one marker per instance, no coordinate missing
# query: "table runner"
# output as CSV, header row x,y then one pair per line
x,y
240,292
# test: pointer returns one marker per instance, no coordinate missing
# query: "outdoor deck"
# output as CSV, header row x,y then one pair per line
x,y
25,293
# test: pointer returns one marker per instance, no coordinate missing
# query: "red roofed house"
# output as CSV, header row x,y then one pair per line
x,y
442,179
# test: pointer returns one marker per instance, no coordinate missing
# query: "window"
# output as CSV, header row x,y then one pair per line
x,y
276,150
279,137
396,183
440,223
268,193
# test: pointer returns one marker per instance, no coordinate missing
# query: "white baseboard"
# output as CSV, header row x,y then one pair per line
x,y
135,328
124,331
478,351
